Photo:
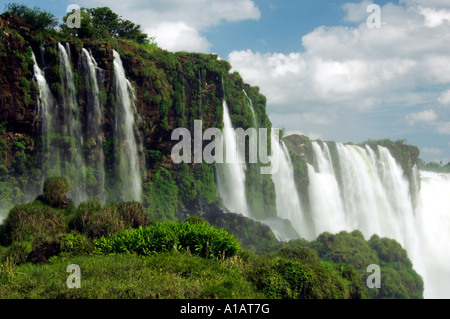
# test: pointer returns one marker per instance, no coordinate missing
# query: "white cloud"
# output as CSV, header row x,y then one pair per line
x,y
177,23
435,17
443,128
428,3
356,72
179,37
427,116
444,98
356,12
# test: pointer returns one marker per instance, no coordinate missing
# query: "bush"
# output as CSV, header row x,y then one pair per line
x,y
75,244
194,219
35,17
94,220
297,273
197,238
18,251
26,222
55,190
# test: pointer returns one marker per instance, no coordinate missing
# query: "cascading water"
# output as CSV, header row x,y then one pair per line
x,y
45,109
63,133
326,204
69,161
128,179
250,104
95,158
370,193
288,202
432,225
231,173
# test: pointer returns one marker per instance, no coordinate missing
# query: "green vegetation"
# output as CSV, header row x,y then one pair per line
x,y
398,279
34,17
434,166
55,190
122,254
103,23
197,238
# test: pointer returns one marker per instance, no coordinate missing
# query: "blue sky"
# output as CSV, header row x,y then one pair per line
x,y
324,72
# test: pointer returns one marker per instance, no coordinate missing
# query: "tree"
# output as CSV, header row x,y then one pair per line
x,y
103,23
34,17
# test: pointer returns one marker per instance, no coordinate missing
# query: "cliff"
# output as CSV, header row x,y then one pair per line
x,y
171,90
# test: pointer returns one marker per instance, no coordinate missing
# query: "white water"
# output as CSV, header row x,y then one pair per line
x,y
128,161
94,120
231,174
45,103
373,196
250,104
432,224
71,164
287,200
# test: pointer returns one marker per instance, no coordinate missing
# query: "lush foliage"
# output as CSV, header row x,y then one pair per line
x,y
35,17
434,167
398,279
94,220
103,23
199,238
166,275
55,190
298,273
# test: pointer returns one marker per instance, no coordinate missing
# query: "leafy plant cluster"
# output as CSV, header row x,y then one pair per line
x,y
434,166
297,273
398,279
33,16
197,238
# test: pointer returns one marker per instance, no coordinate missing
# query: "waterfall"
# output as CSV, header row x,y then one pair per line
x,y
373,195
369,192
231,173
128,179
432,224
63,133
45,108
94,138
250,104
288,202
73,149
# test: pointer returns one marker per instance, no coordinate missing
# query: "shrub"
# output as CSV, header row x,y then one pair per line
x,y
26,222
197,238
299,274
35,17
133,214
194,219
44,247
94,220
75,244
55,190
17,251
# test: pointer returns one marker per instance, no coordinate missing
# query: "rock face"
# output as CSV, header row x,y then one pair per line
x,y
170,90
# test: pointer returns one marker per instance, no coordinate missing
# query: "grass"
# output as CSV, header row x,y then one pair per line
x,y
166,275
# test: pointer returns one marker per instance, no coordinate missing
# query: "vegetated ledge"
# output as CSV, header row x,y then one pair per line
x,y
124,254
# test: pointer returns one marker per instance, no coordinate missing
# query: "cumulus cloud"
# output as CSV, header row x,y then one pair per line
x,y
178,24
444,98
179,37
427,116
344,71
443,127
